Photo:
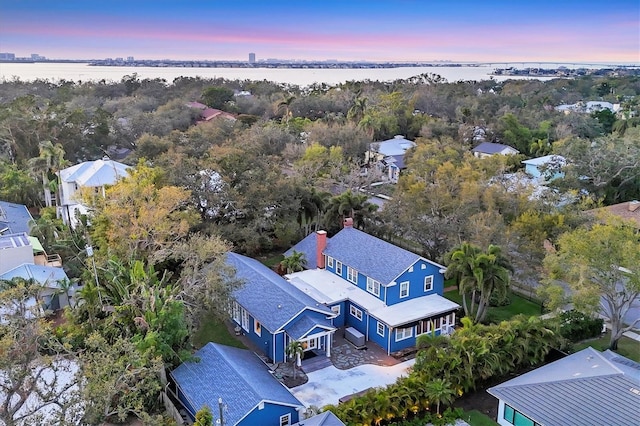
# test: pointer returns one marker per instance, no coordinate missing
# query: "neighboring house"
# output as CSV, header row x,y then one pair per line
x,y
389,155
52,294
487,149
14,218
546,168
586,388
629,210
386,293
323,419
208,114
97,175
18,259
272,313
588,107
241,381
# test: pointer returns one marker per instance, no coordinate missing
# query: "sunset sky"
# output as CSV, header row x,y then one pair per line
x,y
394,30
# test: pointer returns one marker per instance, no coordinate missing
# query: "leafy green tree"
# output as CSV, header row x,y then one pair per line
x,y
204,417
601,265
39,383
18,186
120,380
217,97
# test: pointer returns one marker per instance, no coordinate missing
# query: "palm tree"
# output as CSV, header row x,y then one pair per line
x,y
294,262
295,351
349,204
50,160
495,275
440,391
478,272
460,265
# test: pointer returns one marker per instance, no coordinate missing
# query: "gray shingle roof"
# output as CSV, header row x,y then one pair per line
x,y
369,255
267,296
583,388
307,246
301,326
16,217
323,419
237,376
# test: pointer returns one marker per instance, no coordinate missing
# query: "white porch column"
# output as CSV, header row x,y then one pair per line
x,y
298,360
327,343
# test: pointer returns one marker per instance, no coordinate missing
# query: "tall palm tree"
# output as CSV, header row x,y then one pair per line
x,y
478,273
495,275
349,204
50,160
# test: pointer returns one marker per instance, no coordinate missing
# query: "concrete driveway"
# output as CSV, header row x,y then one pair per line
x,y
328,385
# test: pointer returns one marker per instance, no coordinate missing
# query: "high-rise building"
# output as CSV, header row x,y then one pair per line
x,y
252,58
129,58
5,56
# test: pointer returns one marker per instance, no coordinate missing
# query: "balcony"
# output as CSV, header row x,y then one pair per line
x,y
45,259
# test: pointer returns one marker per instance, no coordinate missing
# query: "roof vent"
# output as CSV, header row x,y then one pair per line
x,y
279,306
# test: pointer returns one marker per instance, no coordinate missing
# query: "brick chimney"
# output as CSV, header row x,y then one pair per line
x,y
633,205
348,222
321,244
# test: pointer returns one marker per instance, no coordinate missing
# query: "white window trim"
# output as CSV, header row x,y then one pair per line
x,y
257,327
285,420
378,329
245,319
236,312
404,334
430,277
338,267
336,309
352,275
355,312
330,261
404,283
373,286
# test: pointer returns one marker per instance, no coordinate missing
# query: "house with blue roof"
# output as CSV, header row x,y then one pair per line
x,y
14,218
585,388
386,293
238,380
272,313
488,149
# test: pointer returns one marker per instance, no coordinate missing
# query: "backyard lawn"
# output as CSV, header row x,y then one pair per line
x,y
476,418
626,347
214,330
518,305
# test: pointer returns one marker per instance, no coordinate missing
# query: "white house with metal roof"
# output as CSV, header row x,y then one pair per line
x,y
388,294
96,174
272,313
237,383
586,388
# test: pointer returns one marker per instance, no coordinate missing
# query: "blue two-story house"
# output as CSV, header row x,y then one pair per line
x,y
387,293
239,381
273,313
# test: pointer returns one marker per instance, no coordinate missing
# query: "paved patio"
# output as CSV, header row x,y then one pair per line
x,y
344,356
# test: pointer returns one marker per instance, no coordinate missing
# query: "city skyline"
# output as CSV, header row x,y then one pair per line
x,y
404,30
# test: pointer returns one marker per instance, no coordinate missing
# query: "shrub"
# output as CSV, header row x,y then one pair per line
x,y
575,326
